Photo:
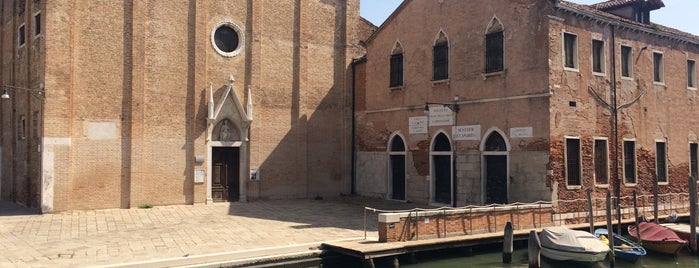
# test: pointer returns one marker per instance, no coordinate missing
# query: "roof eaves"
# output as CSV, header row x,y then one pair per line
x,y
609,18
390,17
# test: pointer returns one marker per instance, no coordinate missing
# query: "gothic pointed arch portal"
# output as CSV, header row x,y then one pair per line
x,y
397,153
495,177
228,124
442,169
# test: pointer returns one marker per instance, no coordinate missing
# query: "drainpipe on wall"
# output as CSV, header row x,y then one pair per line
x,y
615,131
353,188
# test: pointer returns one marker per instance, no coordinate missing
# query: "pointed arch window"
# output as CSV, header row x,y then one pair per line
x,y
494,46
495,142
396,77
441,57
441,143
397,144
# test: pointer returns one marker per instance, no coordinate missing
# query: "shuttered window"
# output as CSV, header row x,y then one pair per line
x,y
661,161
629,161
494,52
396,70
573,162
441,61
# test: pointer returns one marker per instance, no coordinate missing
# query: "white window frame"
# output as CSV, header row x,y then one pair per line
x,y
602,57
576,63
635,162
21,31
594,163
565,161
690,157
34,33
629,62
692,75
667,178
661,66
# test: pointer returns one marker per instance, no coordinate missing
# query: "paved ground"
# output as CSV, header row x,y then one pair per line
x,y
169,235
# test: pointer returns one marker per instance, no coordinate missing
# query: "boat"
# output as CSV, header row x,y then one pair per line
x,y
658,238
681,229
624,248
563,244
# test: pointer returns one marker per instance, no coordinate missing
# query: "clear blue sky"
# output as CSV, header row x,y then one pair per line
x,y
678,14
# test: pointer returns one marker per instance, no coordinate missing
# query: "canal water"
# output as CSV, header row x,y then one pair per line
x,y
492,257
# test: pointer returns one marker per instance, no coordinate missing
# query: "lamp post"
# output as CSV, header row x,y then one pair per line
x,y
454,107
38,93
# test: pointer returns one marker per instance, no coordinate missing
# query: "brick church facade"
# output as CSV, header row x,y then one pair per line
x,y
117,104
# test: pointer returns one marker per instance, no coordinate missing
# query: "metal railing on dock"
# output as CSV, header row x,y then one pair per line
x,y
417,223
459,220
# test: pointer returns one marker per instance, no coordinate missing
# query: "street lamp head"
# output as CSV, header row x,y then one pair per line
x,y
427,108
5,95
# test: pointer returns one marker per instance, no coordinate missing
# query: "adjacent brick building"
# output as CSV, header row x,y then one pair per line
x,y
126,103
521,98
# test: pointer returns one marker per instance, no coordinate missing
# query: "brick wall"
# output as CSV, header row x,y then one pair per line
x,y
430,224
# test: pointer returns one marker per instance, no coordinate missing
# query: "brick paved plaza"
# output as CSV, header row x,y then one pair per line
x,y
179,234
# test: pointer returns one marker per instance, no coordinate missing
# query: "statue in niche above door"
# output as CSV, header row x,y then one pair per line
x,y
225,133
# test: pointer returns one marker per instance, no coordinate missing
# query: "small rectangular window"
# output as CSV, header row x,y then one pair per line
x,y
570,46
658,70
691,74
396,70
693,156
626,62
573,162
597,56
629,162
601,162
441,61
22,129
37,24
21,38
494,52
661,161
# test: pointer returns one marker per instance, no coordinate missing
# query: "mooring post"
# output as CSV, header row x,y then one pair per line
x,y
693,214
369,263
592,212
655,200
635,209
507,246
534,250
609,228
395,263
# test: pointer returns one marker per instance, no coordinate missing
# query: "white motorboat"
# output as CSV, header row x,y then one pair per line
x,y
563,244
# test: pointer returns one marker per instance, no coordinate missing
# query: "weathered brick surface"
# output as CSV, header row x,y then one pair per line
x,y
144,69
533,33
462,223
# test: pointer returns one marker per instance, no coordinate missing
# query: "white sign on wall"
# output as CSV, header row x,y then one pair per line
x,y
199,175
417,125
521,132
466,133
441,116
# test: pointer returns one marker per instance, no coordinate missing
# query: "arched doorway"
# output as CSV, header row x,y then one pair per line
x,y
397,168
225,162
441,169
495,170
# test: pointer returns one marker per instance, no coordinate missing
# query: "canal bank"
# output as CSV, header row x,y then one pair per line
x,y
182,235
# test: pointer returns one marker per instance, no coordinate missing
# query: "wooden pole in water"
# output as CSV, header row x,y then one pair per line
x,y
534,250
693,214
507,246
655,199
635,209
609,229
592,212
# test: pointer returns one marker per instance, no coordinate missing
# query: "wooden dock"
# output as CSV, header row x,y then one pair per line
x,y
370,249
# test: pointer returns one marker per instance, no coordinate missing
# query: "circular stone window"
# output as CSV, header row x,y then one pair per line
x,y
227,39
